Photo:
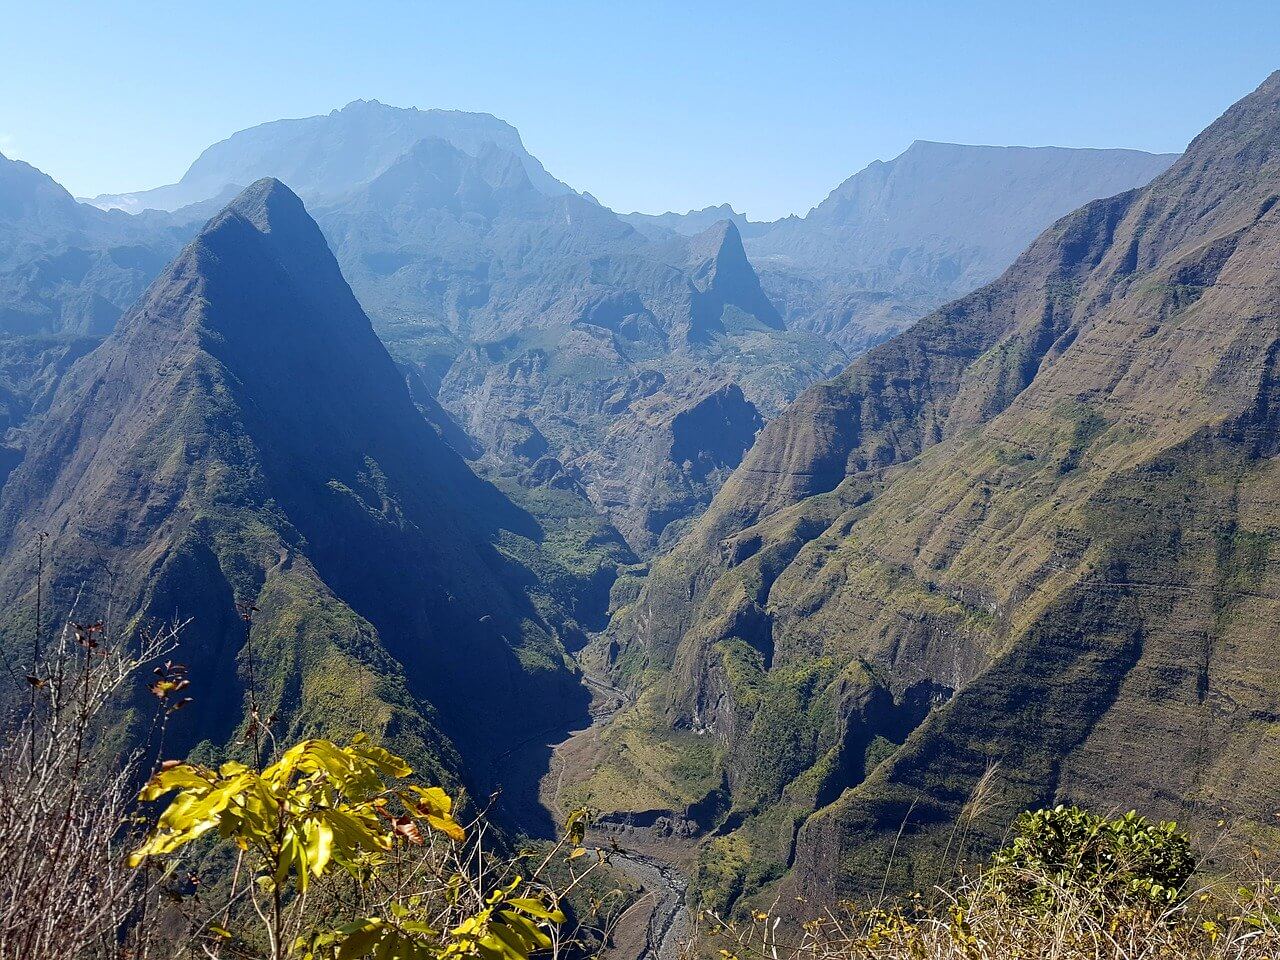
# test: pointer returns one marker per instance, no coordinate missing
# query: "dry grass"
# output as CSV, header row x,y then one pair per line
x,y
976,920
64,816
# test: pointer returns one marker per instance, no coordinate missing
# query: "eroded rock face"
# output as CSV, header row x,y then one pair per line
x,y
1033,532
662,461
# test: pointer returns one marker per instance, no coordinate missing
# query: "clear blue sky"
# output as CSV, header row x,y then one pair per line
x,y
649,105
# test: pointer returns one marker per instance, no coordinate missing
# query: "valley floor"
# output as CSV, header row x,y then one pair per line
x,y
535,777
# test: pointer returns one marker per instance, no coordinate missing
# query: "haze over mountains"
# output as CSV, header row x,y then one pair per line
x,y
329,155
905,235
461,432
537,317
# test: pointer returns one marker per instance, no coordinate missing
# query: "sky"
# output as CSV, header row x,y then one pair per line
x,y
650,106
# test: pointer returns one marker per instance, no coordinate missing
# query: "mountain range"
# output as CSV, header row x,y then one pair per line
x,y
533,315
1021,554
461,433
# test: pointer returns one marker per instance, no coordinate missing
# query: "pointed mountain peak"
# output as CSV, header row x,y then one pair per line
x,y
722,276
267,204
259,272
274,213
721,242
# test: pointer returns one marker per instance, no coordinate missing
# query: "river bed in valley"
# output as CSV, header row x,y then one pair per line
x,y
657,924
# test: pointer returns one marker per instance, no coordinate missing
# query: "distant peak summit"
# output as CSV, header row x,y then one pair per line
x,y
721,242
725,209
722,276
27,191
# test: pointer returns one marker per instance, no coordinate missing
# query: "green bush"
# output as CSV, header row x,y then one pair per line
x,y
1124,861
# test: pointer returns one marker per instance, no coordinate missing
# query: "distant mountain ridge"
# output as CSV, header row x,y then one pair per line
x,y
902,236
996,199
68,268
694,222
324,156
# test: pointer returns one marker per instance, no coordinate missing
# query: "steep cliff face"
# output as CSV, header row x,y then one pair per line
x,y
243,437
724,284
662,462
1031,538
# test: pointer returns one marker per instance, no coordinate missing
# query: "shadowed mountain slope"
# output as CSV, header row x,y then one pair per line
x,y
1029,543
243,437
662,464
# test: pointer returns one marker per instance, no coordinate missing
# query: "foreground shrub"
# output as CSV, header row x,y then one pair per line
x,y
1126,861
324,809
319,851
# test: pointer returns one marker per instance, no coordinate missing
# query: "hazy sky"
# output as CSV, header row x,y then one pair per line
x,y
650,106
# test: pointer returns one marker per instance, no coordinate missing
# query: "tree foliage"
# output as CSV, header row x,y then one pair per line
x,y
322,808
1126,859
